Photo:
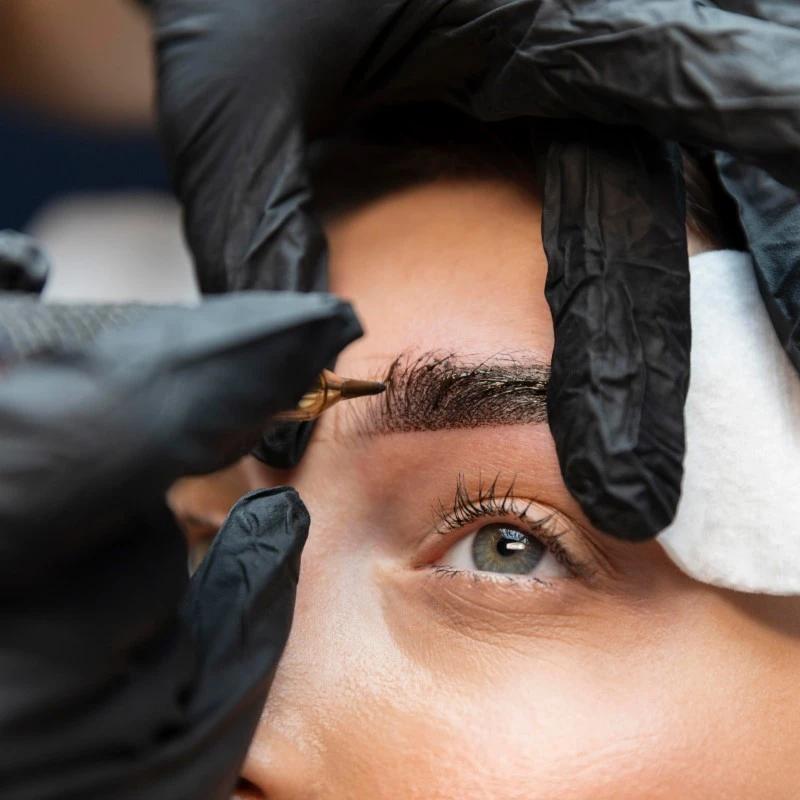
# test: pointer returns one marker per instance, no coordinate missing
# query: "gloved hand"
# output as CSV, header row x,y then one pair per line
x,y
24,267
116,679
245,84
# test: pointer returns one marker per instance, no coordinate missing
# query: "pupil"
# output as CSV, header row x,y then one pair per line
x,y
497,548
508,547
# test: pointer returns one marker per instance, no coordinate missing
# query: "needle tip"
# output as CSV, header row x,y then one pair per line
x,y
356,388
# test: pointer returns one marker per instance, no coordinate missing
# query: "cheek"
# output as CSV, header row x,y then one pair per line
x,y
608,698
533,722
603,703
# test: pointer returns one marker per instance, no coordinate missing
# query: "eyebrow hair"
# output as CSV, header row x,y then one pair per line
x,y
435,391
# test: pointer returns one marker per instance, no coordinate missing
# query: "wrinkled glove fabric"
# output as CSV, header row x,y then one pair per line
x,y
29,327
116,678
242,94
24,266
618,288
770,216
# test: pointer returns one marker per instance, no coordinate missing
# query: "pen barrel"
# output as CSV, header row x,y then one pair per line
x,y
313,402
330,389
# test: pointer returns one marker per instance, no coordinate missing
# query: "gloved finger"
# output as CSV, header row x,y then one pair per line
x,y
769,211
237,150
257,229
233,133
240,93
24,266
785,12
29,327
683,70
241,599
93,647
238,613
770,215
282,444
201,677
618,287
187,391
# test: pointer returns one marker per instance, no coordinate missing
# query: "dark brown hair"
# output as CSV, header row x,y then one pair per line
x,y
392,149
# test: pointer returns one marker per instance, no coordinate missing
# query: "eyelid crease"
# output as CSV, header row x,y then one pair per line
x,y
488,502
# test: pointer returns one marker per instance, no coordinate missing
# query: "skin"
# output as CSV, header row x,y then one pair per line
x,y
401,682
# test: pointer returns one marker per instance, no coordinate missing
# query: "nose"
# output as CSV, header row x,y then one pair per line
x,y
275,769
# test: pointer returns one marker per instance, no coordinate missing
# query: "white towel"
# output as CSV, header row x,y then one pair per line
x,y
738,520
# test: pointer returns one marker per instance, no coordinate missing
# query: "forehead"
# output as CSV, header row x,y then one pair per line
x,y
455,265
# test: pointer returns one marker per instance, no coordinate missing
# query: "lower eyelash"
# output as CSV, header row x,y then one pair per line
x,y
477,576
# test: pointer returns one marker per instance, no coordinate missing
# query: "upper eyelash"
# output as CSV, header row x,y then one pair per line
x,y
488,502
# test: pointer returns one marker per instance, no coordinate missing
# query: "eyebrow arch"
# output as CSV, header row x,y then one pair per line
x,y
435,391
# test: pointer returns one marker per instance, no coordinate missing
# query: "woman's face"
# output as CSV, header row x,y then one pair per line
x,y
461,631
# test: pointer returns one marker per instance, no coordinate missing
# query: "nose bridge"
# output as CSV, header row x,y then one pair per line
x,y
284,757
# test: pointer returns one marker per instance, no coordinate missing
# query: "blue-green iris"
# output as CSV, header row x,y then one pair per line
x,y
497,548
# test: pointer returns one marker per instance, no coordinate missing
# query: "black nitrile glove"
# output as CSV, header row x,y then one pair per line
x,y
613,229
117,679
245,84
23,265
770,216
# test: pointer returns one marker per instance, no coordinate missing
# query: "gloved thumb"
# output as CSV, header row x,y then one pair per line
x,y
234,623
241,600
24,267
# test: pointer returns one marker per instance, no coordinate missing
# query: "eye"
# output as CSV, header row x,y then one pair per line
x,y
500,548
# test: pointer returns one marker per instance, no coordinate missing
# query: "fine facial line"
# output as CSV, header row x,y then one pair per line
x,y
435,391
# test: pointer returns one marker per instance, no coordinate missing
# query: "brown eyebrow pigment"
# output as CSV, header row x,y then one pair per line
x,y
441,391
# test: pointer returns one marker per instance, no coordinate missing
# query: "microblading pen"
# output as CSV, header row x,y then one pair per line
x,y
328,390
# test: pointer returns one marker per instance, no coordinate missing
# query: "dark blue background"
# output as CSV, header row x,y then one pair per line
x,y
43,158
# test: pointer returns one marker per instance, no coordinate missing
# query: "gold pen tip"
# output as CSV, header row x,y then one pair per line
x,y
355,388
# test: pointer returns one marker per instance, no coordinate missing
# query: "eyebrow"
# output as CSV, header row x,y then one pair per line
x,y
435,391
